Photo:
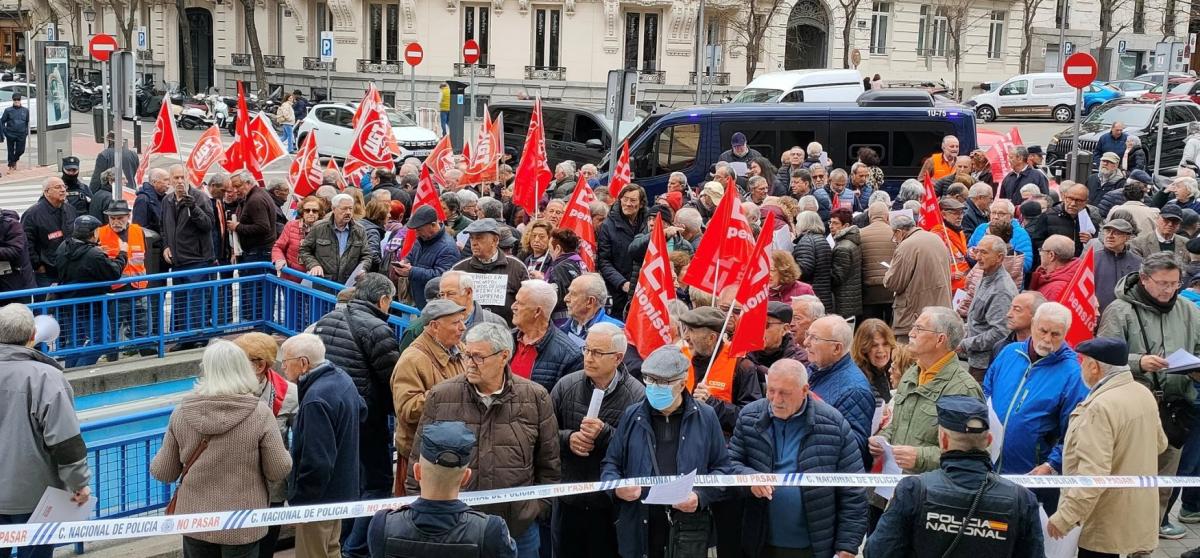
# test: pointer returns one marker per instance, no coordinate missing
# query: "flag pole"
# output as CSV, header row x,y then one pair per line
x,y
716,349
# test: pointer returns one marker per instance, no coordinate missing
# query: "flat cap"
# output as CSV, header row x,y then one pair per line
x,y
422,216
1119,225
1171,211
962,413
1109,350
447,443
667,362
485,225
951,204
440,308
713,190
706,317
1111,158
1035,150
780,311
1139,175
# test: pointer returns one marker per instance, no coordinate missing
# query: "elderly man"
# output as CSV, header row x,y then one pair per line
x,y
564,180
979,204
42,444
685,232
584,524
1072,218
950,231
942,163
187,223
325,441
919,274
930,513
1002,211
336,247
147,211
739,151
456,222
837,380
1114,522
778,341
117,237
459,288
1164,237
986,316
677,182
1154,322
1113,142
877,249
1019,320
1114,259
506,412
1021,175
543,353
667,423
791,431
1058,268
758,188
1108,178
585,305
1033,386
432,255
106,160
962,167
255,223
742,386
501,275
806,309
453,179
47,224
432,357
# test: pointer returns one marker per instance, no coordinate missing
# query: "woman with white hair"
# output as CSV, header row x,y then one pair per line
x,y
1135,155
223,447
814,255
910,190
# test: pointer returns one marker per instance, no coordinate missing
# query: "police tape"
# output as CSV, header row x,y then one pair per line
x,y
53,533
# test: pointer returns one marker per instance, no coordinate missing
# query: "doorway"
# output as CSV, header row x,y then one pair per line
x,y
807,36
200,21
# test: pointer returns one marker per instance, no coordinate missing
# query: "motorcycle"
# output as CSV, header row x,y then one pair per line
x,y
85,95
218,107
194,113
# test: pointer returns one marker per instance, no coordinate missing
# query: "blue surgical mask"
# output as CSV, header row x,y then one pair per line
x,y
659,397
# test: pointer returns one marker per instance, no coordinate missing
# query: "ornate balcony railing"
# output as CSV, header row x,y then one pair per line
x,y
273,61
239,59
546,73
478,70
382,67
314,63
76,50
658,77
715,78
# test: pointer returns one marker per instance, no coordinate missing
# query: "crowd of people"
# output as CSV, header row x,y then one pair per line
x,y
884,343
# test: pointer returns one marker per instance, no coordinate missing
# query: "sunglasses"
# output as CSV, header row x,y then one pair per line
x,y
317,211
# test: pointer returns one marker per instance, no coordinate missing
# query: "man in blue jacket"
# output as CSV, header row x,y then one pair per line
x,y
837,380
668,433
791,432
1033,386
1112,142
1002,211
324,439
14,125
432,255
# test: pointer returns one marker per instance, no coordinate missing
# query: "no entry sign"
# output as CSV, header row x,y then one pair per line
x,y
102,47
1080,70
413,53
471,51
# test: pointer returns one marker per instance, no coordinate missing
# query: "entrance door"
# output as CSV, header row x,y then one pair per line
x,y
807,36
200,22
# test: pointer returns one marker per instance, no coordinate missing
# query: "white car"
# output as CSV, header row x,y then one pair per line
x,y
1132,88
335,134
28,94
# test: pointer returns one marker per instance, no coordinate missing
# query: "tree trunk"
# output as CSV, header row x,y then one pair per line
x,y
1026,37
185,48
851,10
260,73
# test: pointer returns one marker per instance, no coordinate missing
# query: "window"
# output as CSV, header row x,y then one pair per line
x,y
996,35
1177,115
1139,16
879,26
641,41
547,28
476,25
586,128
384,31
772,137
554,123
323,21
1061,19
1018,87
673,150
931,35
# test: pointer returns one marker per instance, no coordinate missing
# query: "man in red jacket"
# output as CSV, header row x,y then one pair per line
x,y
1058,267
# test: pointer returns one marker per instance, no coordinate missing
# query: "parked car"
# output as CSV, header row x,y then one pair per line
x,y
803,86
1097,94
575,133
335,133
1140,118
1132,88
1178,90
28,93
1043,95
1156,77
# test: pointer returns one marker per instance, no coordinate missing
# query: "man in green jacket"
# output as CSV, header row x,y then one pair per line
x,y
1149,316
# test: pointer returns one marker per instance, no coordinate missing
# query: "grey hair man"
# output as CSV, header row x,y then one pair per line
x,y
459,287
1022,174
1019,320
806,309
1058,267
687,225
556,353
918,274
585,299
989,306
837,379
487,259
336,248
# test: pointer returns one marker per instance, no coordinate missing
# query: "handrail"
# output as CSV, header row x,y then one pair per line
x,y
134,279
126,419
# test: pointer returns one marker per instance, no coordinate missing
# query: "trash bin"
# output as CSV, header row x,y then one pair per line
x,y
98,127
1083,165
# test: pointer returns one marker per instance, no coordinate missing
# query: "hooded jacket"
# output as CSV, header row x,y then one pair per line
x,y
429,258
1052,284
1148,330
846,272
15,271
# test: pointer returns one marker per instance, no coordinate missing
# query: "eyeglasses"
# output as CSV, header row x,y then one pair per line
x,y
926,330
317,211
285,361
596,353
661,382
810,337
1172,285
477,360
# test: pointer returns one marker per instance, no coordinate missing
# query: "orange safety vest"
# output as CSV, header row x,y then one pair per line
x,y
940,167
956,243
136,262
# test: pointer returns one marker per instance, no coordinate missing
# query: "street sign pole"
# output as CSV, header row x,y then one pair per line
x,y
1078,71
413,54
1075,138
118,141
471,108
104,102
328,82
328,61
1162,105
412,90
471,53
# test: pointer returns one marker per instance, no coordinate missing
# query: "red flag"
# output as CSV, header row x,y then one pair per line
x,y
752,295
725,249
305,172
1014,136
208,150
533,173
440,159
427,194
466,153
374,145
240,154
164,140
622,175
266,144
649,326
1080,299
931,212
578,218
489,147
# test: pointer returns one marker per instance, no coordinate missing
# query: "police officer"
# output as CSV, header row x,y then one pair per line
x,y
79,195
438,523
963,508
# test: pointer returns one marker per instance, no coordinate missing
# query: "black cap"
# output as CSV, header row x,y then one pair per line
x,y
447,443
962,413
84,226
70,163
1193,246
1109,350
119,207
1031,209
1035,150
1171,211
1190,217
432,287
780,311
424,215
1142,176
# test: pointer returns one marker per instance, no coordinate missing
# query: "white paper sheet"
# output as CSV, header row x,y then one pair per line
x,y
594,406
353,280
1085,223
959,296
56,506
1058,548
1181,358
673,492
889,468
490,290
739,168
997,430
877,419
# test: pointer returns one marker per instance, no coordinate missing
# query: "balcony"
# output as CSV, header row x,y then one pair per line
x,y
477,70
273,61
314,63
381,67
715,78
147,54
546,73
239,59
76,50
658,77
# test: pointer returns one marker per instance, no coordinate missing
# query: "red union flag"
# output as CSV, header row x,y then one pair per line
x,y
240,154
725,249
440,159
622,175
578,219
649,326
267,147
533,172
164,140
305,172
752,295
489,147
931,213
426,195
1080,299
207,151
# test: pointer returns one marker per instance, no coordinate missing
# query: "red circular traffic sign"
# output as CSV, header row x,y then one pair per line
x,y
471,51
413,53
102,47
1080,70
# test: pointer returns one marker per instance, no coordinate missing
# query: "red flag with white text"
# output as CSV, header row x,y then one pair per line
x,y
931,212
533,172
267,146
240,154
440,159
578,218
648,326
752,295
305,173
207,151
164,140
483,166
374,145
1080,299
426,195
725,249
622,175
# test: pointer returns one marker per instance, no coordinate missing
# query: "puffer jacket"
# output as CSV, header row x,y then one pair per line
x,y
518,441
613,259
788,348
1053,284
1149,331
429,258
557,355
18,273
914,410
571,396
359,340
320,249
877,247
815,259
287,246
844,386
836,517
846,276
504,265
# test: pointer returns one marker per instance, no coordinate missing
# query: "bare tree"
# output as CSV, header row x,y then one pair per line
x,y
750,28
1109,9
850,11
961,17
260,74
126,13
1029,9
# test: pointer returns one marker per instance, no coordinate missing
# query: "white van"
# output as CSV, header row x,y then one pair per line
x,y
1044,95
803,86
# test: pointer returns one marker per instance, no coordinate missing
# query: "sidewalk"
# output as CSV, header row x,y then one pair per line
x,y
28,172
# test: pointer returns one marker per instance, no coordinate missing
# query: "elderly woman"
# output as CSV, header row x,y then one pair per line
x,y
1135,155
535,246
910,190
814,255
785,280
872,351
286,251
223,447
1186,193
981,168
612,242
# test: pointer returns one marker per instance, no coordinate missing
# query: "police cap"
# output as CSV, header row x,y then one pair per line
x,y
447,443
962,413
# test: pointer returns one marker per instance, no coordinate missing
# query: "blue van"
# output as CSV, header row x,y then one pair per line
x,y
903,127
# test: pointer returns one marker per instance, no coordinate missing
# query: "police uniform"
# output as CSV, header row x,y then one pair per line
x,y
440,528
79,195
961,509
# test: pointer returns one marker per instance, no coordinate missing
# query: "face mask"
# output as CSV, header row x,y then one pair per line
x,y
659,397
